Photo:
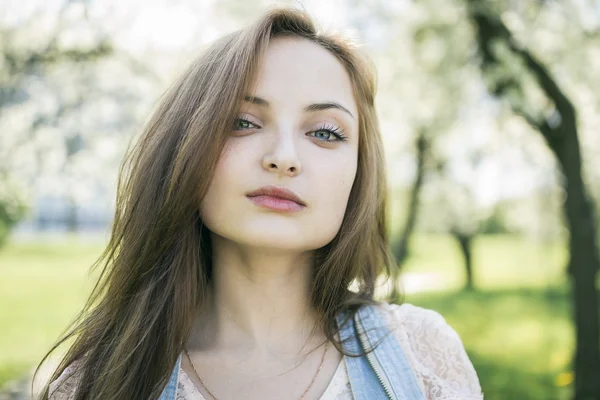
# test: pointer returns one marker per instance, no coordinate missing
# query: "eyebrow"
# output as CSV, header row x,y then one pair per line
x,y
312,107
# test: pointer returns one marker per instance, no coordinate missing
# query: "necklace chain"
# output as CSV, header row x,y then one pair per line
x,y
300,398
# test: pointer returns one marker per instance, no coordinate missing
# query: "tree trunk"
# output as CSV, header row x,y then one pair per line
x,y
465,243
71,218
583,267
400,247
561,135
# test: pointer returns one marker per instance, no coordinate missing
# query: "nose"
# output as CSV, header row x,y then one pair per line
x,y
283,157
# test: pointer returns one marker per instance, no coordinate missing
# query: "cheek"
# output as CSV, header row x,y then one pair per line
x,y
219,192
334,191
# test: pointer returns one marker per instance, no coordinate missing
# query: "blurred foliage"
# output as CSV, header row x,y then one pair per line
x,y
12,207
22,63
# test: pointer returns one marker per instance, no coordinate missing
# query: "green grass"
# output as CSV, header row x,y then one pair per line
x,y
520,341
501,261
42,287
516,329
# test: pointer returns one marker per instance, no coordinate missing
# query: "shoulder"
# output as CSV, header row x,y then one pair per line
x,y
420,327
64,387
435,351
413,320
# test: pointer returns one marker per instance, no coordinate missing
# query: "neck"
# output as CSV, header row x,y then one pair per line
x,y
260,300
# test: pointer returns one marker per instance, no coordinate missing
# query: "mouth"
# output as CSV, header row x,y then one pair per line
x,y
276,203
277,198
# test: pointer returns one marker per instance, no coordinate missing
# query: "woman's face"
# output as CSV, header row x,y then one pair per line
x,y
285,135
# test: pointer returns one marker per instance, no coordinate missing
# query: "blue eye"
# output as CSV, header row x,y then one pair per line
x,y
330,131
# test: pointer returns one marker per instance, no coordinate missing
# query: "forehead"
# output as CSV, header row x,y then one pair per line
x,y
299,71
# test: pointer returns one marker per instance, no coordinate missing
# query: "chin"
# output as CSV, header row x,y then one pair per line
x,y
277,242
276,234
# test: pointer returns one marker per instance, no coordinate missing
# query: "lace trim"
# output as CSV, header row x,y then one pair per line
x,y
64,387
435,352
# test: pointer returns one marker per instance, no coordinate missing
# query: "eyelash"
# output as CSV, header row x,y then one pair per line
x,y
331,129
335,131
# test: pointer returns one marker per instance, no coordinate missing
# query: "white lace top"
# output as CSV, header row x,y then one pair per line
x,y
434,350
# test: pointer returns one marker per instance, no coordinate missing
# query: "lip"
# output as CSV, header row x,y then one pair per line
x,y
276,198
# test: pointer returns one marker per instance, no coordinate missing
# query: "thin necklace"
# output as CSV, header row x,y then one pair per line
x,y
300,398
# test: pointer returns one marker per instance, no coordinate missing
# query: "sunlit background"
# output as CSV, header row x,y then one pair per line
x,y
485,150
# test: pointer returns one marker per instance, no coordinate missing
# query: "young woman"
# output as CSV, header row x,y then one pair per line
x,y
253,202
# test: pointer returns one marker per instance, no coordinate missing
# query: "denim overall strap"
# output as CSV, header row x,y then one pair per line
x,y
363,381
170,391
388,357
385,372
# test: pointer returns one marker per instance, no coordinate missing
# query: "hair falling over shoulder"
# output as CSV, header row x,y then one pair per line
x,y
156,268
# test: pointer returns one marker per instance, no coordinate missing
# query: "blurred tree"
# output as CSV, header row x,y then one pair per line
x,y
418,65
515,74
436,98
460,216
71,98
400,246
20,65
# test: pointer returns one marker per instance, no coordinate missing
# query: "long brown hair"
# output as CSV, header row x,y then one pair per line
x,y
157,265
